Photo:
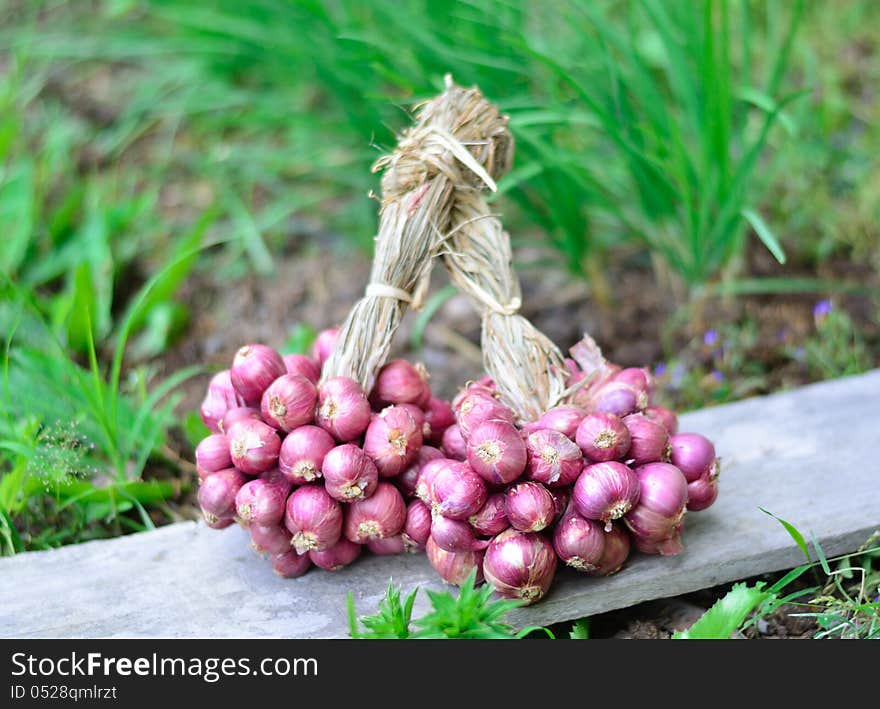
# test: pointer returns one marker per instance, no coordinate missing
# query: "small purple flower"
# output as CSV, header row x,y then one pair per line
x,y
710,337
799,354
717,375
660,369
782,334
821,309
678,374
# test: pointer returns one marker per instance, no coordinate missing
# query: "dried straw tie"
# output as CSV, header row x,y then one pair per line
x,y
459,140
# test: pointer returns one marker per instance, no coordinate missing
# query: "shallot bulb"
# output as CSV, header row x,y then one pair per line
x,y
454,566
254,368
239,413
603,437
261,502
324,344
387,546
520,565
220,397
340,554
453,443
343,409
253,446
554,459
668,546
649,441
618,398
392,441
496,452
313,518
456,491
703,491
289,402
217,523
271,539
454,535
212,454
217,494
614,556
409,478
349,474
605,492
478,407
438,417
530,507
692,454
417,527
425,481
492,517
399,382
381,515
290,565
638,378
302,453
301,364
664,417
579,542
663,495
564,419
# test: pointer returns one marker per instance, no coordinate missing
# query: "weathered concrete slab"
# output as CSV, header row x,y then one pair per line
x,y
804,455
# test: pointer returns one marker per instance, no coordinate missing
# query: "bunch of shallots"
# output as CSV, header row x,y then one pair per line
x,y
315,470
582,484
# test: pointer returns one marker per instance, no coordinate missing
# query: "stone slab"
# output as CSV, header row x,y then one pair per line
x,y
805,455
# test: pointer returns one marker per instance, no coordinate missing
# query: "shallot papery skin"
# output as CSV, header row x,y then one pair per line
x,y
253,446
669,546
212,454
564,419
304,365
408,480
638,378
456,491
664,417
340,554
692,454
260,502
253,369
492,517
289,402
454,566
271,539
579,542
496,452
417,527
649,441
520,565
553,458
561,500
602,437
529,506
662,488
399,382
349,474
217,493
438,417
453,443
477,408
648,525
324,344
615,554
392,441
239,413
220,397
290,565
703,491
313,518
343,409
605,492
425,481
387,546
302,453
454,535
381,515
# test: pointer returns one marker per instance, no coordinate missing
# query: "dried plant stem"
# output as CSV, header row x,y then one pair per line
x,y
459,140
528,369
